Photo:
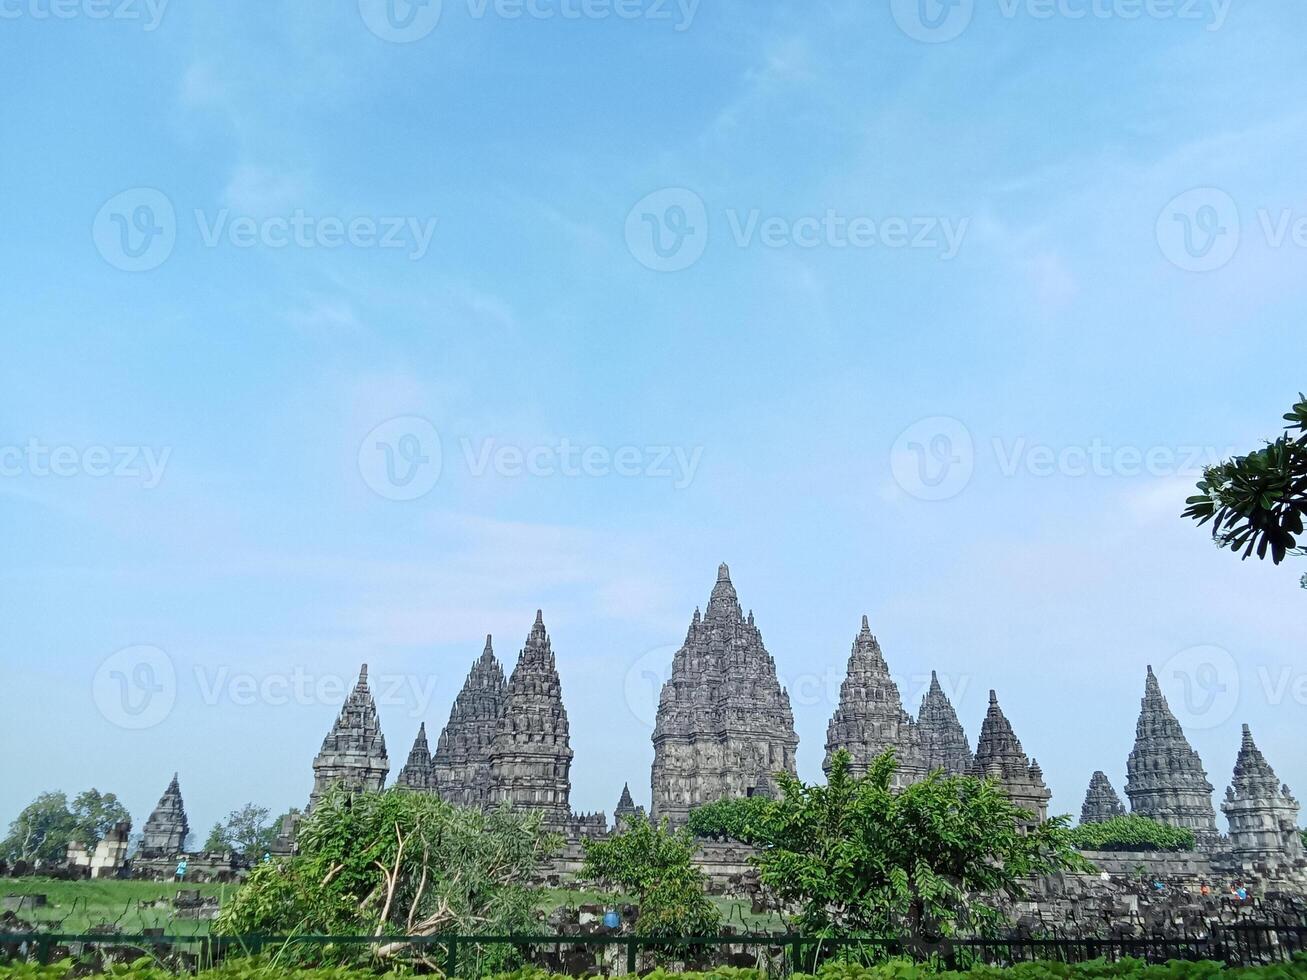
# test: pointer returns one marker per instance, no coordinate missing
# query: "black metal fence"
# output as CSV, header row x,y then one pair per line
x,y
607,954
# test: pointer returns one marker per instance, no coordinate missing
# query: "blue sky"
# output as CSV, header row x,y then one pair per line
x,y
934,349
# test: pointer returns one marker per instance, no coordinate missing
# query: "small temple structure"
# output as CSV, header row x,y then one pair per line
x,y
416,774
1101,801
166,829
1262,812
460,767
944,744
999,756
353,754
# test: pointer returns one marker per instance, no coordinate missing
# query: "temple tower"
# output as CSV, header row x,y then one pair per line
x,y
870,716
354,752
1165,779
1101,802
531,756
416,774
944,744
1262,812
626,810
461,765
724,721
164,833
999,756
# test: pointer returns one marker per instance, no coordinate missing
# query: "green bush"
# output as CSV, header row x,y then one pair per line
x,y
736,819
1132,833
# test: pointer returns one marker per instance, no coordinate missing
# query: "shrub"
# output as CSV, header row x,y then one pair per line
x,y
736,819
1132,833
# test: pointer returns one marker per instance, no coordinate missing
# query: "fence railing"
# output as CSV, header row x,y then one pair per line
x,y
1244,944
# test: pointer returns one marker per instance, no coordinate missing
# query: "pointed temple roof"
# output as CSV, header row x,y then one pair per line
x,y
460,766
164,833
1165,778
353,754
531,756
724,721
416,774
999,756
944,743
870,717
1263,813
1101,801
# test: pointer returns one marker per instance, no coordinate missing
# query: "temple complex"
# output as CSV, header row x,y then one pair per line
x,y
999,756
944,744
353,754
461,765
1262,812
166,829
724,723
416,774
1166,780
1101,801
531,755
870,716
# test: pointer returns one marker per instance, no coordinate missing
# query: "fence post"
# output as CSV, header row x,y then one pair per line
x,y
43,951
451,962
630,955
796,955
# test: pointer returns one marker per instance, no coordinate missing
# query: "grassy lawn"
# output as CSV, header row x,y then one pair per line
x,y
77,906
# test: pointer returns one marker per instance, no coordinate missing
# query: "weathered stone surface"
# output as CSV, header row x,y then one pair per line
x,y
416,775
1166,780
626,809
870,717
164,833
999,756
1262,812
531,756
724,722
1101,802
582,825
944,743
461,764
354,752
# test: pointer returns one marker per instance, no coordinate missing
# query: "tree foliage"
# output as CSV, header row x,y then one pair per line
x,y
1256,503
728,819
47,825
658,865
396,863
855,857
1132,833
248,830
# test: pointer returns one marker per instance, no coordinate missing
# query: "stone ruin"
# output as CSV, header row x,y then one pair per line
x,y
626,809
1101,802
1262,812
724,723
943,742
999,756
354,752
165,832
461,764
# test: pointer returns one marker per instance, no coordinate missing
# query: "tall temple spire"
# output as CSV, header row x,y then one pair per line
x,y
944,743
164,833
354,752
626,809
1165,779
870,717
724,722
999,756
531,755
416,774
1101,801
460,767
1262,812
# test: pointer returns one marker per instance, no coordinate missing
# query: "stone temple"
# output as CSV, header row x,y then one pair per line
x,y
354,752
1165,778
461,764
1262,812
1101,802
944,744
870,716
724,723
165,831
999,756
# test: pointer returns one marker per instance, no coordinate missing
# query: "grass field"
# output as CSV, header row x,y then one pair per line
x,y
77,906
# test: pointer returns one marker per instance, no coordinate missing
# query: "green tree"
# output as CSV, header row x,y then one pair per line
x,y
728,819
41,831
658,866
1256,503
217,839
1132,833
855,857
396,863
95,814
